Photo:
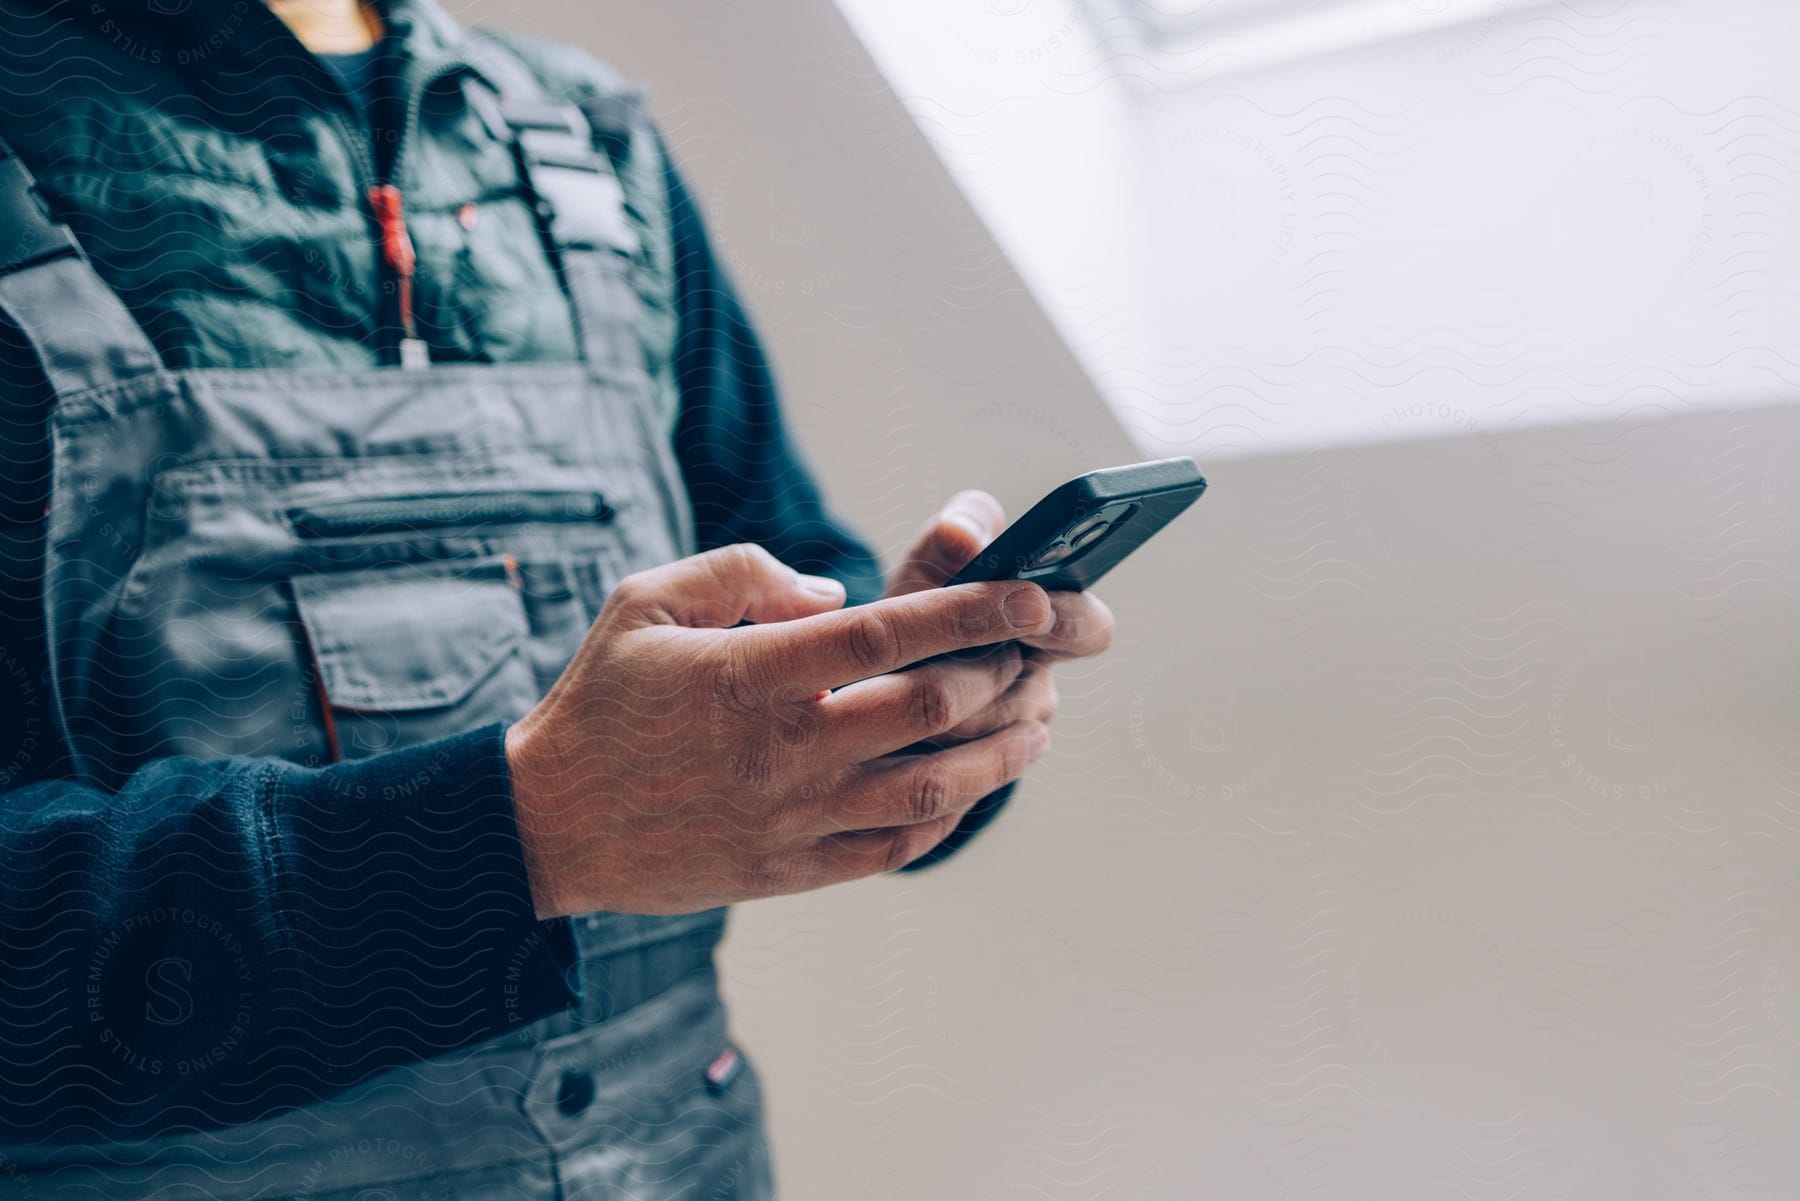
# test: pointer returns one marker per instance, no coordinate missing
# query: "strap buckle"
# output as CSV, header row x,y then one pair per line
x,y
555,135
556,132
570,182
583,207
579,199
28,234
523,113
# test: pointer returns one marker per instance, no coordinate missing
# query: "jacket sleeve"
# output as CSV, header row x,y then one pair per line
x,y
220,939
746,478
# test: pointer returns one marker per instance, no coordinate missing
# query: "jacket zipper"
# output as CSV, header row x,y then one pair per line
x,y
397,252
386,205
399,515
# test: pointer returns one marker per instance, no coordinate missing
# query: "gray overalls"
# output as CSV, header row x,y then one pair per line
x,y
323,565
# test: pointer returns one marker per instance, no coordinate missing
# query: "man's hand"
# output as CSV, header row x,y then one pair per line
x,y
681,763
1083,625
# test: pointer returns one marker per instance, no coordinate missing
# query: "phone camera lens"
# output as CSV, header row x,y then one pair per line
x,y
1088,532
1056,552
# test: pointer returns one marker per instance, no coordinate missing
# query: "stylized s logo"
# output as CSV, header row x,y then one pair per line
x,y
170,1000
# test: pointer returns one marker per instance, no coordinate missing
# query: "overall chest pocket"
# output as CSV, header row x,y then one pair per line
x,y
335,609
429,615
400,655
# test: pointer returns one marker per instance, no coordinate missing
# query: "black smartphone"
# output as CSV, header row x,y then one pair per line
x,y
1085,528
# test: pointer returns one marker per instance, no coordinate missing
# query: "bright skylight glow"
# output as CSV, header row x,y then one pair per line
x,y
1273,226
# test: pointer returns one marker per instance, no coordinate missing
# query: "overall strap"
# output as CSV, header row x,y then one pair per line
x,y
80,331
575,190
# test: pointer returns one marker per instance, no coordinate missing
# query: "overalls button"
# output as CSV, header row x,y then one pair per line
x,y
575,1092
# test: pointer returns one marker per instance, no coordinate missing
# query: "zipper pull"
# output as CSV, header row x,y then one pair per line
x,y
397,251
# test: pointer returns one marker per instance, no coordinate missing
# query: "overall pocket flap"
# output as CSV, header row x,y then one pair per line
x,y
403,639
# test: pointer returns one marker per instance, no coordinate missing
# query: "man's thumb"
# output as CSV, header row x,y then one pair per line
x,y
724,587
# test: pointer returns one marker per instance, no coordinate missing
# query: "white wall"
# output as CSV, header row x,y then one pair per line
x,y
1433,831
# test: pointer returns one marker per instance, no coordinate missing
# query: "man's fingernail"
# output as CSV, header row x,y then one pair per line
x,y
964,521
1039,742
1025,609
822,586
